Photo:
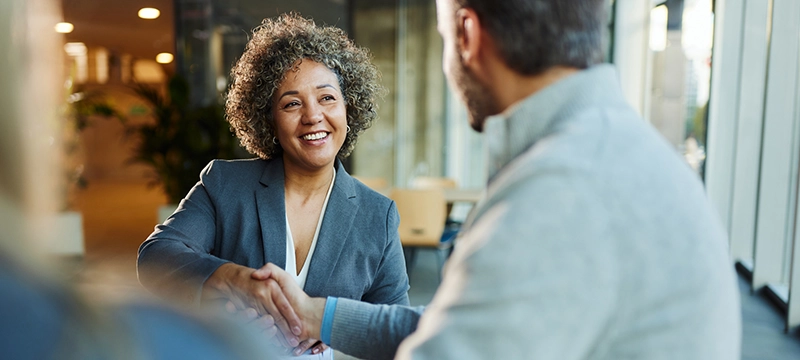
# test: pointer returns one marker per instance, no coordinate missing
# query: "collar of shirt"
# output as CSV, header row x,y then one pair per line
x,y
515,130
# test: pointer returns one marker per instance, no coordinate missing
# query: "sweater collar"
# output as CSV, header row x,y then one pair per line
x,y
512,132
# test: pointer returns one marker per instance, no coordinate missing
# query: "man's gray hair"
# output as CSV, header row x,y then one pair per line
x,y
534,35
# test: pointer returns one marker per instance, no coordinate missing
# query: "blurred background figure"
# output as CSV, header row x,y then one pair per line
x,y
42,317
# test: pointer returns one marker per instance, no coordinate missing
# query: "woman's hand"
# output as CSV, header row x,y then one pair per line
x,y
309,310
266,325
236,284
315,345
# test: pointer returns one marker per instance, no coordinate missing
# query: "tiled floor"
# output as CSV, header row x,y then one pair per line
x,y
763,337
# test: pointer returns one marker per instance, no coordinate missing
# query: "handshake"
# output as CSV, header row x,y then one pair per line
x,y
271,300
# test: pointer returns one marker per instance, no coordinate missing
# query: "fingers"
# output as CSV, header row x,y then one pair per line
x,y
286,309
304,345
315,345
281,276
250,314
267,326
234,304
262,273
230,307
265,297
265,323
271,299
319,347
274,302
289,287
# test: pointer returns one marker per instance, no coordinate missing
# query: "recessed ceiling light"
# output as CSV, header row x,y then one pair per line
x,y
64,28
164,58
149,13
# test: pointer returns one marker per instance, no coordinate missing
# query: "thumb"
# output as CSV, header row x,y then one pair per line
x,y
262,273
277,274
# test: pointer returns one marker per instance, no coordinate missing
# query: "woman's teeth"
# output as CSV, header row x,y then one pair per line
x,y
315,136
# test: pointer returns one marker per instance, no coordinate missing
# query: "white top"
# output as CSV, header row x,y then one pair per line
x,y
291,261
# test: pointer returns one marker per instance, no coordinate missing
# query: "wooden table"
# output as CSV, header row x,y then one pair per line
x,y
451,195
463,195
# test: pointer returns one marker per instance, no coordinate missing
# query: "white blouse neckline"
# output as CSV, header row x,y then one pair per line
x,y
291,260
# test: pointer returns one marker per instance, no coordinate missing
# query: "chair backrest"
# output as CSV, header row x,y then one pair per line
x,y
422,216
378,184
431,182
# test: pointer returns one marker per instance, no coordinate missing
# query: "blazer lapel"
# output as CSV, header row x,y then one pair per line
x,y
335,231
271,207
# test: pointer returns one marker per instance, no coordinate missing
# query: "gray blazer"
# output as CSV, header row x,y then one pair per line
x,y
236,213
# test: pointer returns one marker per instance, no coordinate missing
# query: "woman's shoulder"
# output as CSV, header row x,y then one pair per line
x,y
238,170
368,195
224,166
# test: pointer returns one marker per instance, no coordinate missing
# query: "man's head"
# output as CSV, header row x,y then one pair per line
x,y
529,37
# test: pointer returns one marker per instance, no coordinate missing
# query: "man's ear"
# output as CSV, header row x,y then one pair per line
x,y
468,31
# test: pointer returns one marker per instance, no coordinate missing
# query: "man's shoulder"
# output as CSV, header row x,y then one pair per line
x,y
549,166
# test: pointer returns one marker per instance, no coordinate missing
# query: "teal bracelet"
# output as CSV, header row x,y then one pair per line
x,y
327,320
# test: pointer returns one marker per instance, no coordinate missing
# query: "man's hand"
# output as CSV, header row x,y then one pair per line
x,y
308,309
235,283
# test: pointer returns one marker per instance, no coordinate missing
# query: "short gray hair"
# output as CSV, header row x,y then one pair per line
x,y
535,35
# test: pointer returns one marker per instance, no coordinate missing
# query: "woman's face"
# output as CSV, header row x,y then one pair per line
x,y
310,116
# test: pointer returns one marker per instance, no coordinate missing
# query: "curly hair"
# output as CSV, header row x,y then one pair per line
x,y
277,45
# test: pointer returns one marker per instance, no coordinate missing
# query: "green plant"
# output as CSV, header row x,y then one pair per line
x,y
82,106
182,139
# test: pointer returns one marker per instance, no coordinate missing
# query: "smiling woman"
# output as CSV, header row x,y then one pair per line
x,y
278,46
300,96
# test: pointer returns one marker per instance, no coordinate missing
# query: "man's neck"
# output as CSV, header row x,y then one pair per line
x,y
510,87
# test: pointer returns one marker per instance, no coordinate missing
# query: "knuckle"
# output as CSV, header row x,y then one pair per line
x,y
262,292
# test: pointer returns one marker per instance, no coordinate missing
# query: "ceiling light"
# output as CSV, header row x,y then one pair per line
x,y
64,28
164,58
75,49
149,13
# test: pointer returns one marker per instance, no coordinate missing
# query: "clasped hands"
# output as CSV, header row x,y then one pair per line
x,y
270,299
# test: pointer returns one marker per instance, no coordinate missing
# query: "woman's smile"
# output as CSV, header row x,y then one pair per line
x,y
315,137
310,116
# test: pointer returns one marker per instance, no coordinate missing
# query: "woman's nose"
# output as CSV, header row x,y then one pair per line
x,y
313,114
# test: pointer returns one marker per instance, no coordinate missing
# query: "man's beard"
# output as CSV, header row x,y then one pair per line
x,y
475,96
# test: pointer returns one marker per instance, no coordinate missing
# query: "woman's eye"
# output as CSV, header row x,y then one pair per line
x,y
328,98
290,104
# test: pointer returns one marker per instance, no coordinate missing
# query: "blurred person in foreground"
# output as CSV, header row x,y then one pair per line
x,y
595,240
41,316
300,96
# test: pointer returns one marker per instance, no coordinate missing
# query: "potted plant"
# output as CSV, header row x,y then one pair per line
x,y
81,107
181,140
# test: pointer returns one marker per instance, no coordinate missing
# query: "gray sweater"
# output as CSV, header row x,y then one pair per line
x,y
595,241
